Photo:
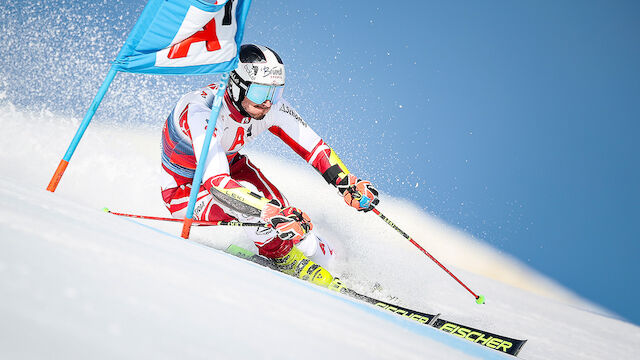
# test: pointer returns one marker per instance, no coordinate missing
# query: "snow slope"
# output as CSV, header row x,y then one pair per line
x,y
78,283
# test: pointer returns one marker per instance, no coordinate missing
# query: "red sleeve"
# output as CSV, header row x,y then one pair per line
x,y
277,131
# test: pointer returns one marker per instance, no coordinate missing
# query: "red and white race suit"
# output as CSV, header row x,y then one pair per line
x,y
233,187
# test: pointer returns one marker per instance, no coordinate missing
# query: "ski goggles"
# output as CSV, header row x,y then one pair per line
x,y
259,93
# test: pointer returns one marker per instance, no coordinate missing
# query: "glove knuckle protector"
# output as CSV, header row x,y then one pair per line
x,y
357,193
290,223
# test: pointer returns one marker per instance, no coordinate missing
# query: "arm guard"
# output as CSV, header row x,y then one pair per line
x,y
235,196
327,162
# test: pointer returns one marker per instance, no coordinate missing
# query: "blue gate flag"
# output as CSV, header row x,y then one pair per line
x,y
174,37
185,37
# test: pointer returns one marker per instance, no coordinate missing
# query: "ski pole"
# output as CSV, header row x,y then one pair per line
x,y
196,222
479,298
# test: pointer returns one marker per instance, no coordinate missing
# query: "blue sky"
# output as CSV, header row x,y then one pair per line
x,y
515,118
511,120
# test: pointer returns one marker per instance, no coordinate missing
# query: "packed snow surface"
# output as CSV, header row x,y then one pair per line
x,y
77,283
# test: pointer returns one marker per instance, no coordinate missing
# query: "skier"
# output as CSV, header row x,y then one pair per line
x,y
233,187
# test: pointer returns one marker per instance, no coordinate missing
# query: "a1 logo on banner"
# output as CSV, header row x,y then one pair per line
x,y
203,38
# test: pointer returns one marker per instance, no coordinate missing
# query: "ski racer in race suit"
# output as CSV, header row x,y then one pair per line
x,y
233,187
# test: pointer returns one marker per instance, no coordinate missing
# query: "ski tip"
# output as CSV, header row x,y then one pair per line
x,y
106,209
480,299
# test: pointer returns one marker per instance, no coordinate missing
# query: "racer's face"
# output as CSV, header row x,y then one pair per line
x,y
256,111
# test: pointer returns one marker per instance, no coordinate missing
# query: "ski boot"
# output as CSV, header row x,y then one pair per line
x,y
295,263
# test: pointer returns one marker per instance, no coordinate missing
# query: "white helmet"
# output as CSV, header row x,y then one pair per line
x,y
259,76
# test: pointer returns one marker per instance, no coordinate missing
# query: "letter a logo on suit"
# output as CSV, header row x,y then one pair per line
x,y
239,139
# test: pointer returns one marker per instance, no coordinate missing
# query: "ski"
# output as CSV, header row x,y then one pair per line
x,y
497,342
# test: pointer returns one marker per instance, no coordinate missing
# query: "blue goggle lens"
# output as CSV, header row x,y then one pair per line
x,y
259,93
